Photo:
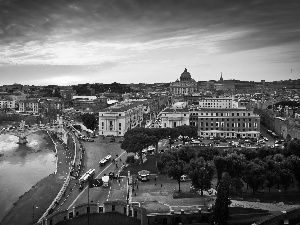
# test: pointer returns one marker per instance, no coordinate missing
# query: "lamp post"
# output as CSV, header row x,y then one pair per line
x,y
170,141
33,207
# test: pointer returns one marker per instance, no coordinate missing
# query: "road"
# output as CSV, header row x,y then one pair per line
x,y
95,151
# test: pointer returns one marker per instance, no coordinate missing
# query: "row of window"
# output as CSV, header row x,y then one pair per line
x,y
218,114
232,119
222,124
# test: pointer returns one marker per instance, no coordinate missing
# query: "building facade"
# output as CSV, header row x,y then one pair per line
x,y
215,103
222,122
118,119
174,117
186,85
7,104
228,123
29,106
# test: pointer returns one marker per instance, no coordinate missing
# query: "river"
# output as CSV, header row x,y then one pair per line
x,y
22,166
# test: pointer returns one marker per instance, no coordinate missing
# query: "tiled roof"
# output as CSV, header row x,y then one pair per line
x,y
123,107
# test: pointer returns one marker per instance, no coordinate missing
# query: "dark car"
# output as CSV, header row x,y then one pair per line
x,y
111,175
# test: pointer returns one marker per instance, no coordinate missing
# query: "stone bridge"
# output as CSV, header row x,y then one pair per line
x,y
22,131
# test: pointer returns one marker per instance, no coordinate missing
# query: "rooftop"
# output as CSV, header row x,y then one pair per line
x,y
123,106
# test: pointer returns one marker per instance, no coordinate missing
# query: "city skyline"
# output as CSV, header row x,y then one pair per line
x,y
138,41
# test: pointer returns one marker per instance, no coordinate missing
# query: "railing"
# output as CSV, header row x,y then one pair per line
x,y
64,187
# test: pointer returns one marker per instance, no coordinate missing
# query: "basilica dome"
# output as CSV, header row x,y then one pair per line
x,y
185,76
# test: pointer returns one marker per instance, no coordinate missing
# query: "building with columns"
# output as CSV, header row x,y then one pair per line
x,y
186,85
118,119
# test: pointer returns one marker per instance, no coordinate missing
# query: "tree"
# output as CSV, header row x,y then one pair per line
x,y
294,162
136,143
220,164
201,174
272,178
254,175
237,183
294,147
220,213
234,164
185,130
159,133
285,178
89,120
186,154
175,167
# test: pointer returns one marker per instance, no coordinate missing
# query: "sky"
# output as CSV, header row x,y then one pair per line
x,y
66,42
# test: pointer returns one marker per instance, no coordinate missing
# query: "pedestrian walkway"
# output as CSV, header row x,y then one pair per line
x,y
260,205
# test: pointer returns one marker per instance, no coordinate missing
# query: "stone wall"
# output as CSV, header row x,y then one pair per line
x,y
291,216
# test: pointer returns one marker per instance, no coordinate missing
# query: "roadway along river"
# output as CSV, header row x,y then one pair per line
x,y
22,166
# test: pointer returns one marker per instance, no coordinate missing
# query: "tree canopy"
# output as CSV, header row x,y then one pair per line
x,y
201,174
136,143
89,120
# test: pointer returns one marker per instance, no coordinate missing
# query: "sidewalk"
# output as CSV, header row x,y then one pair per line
x,y
31,206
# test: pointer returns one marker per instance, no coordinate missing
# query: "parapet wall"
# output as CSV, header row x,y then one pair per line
x,y
109,206
284,217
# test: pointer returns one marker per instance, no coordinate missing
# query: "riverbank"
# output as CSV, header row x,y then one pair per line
x,y
31,206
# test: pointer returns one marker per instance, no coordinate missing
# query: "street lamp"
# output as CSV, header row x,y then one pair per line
x,y
170,141
33,207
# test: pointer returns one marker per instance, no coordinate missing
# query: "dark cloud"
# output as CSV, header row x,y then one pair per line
x,y
268,22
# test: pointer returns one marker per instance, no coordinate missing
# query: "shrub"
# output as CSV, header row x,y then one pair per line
x,y
130,159
160,166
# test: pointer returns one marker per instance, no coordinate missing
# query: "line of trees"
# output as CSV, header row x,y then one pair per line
x,y
139,138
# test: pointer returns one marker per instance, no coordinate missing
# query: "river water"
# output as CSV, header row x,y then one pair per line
x,y
22,166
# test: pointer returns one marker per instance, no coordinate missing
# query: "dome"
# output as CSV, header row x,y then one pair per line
x,y
185,76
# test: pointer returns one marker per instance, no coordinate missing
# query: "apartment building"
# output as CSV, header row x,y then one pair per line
x,y
223,123
7,104
118,119
228,123
29,106
219,103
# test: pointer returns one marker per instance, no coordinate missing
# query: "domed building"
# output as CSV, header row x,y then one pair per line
x,y
186,85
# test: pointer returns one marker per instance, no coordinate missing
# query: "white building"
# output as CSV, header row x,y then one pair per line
x,y
118,119
174,117
216,103
29,106
186,85
7,104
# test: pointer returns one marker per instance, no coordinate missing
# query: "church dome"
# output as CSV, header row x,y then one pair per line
x,y
185,76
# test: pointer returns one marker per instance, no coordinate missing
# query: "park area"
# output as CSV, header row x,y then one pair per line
x,y
160,193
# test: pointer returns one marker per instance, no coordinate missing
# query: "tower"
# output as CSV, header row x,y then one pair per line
x,y
221,78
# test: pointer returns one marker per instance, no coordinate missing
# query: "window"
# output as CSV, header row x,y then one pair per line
x,y
184,114
217,124
113,208
249,124
255,125
119,114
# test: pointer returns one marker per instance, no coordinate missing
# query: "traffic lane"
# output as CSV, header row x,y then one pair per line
x,y
77,197
115,191
264,132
